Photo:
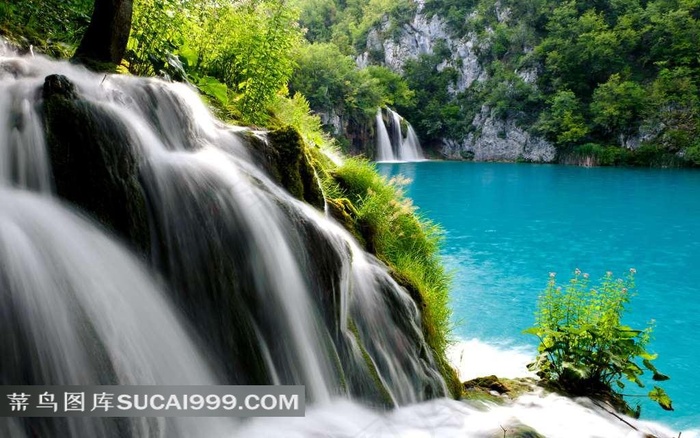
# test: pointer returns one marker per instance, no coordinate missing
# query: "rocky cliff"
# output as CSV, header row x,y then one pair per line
x,y
489,137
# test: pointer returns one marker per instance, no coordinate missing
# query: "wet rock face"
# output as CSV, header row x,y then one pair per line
x,y
59,86
92,162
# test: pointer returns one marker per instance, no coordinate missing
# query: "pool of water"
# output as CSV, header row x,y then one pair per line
x,y
507,226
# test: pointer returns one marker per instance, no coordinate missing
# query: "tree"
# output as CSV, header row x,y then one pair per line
x,y
563,121
108,33
618,105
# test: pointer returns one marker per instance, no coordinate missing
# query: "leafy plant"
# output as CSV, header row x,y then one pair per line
x,y
585,348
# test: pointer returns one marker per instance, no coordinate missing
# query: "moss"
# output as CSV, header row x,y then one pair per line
x,y
384,392
287,160
345,214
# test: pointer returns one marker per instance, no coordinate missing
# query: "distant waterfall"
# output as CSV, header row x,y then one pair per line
x,y
396,146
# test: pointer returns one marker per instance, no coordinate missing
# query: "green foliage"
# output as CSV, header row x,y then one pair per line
x,y
408,243
239,53
156,32
676,108
295,112
454,12
327,78
617,105
585,348
580,50
436,111
508,95
54,27
603,155
318,17
563,121
332,83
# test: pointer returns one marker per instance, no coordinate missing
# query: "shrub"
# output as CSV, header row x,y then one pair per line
x,y
603,155
585,348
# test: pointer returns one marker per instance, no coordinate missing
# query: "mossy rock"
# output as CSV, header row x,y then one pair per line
x,y
344,212
93,162
287,160
495,389
489,383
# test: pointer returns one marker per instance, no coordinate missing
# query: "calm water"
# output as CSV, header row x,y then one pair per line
x,y
509,225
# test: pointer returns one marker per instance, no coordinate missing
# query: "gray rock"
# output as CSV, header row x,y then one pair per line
x,y
499,140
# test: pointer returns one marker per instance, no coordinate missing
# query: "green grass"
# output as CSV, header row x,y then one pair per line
x,y
407,243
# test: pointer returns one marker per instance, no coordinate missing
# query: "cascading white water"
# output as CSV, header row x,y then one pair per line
x,y
78,309
276,291
384,150
411,150
395,147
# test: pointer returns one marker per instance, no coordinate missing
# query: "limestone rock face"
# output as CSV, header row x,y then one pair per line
x,y
422,36
496,139
493,139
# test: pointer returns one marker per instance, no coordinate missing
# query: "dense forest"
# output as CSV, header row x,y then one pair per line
x,y
616,80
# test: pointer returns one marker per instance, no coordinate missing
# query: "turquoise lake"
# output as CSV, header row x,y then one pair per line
x,y
507,226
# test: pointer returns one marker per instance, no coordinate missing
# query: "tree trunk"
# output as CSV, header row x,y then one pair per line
x,y
106,37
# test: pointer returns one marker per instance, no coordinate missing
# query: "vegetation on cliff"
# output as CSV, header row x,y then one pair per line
x,y
588,76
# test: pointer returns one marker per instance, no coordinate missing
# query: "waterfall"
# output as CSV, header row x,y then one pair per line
x,y
78,309
396,147
384,149
272,289
144,242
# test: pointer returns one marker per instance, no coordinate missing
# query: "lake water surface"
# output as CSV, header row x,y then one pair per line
x,y
507,226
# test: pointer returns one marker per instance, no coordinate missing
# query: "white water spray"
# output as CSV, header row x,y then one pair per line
x,y
395,147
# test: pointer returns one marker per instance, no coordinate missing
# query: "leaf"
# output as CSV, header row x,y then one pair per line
x,y
189,55
660,377
659,395
649,366
214,88
648,356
